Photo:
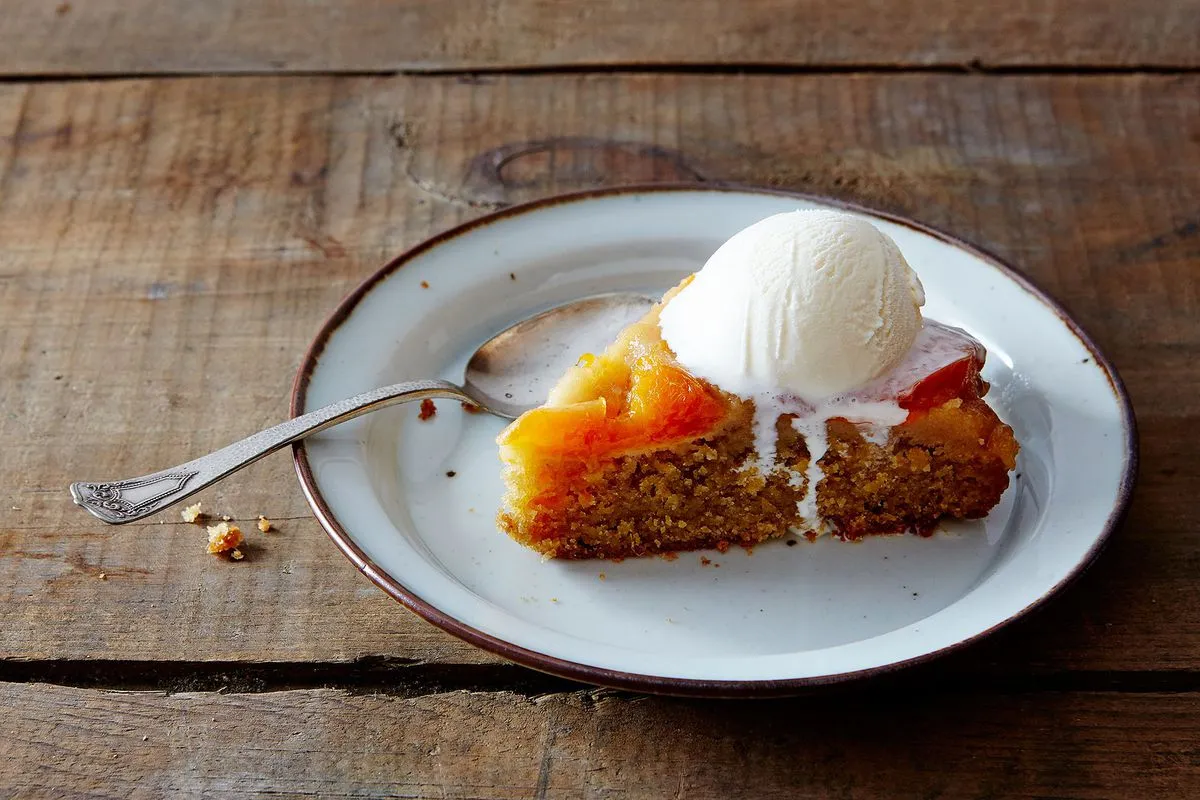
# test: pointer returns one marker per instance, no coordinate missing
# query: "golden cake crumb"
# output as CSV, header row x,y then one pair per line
x,y
236,554
264,524
226,517
223,537
191,513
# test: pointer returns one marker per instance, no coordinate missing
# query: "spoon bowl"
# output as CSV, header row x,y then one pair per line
x,y
514,371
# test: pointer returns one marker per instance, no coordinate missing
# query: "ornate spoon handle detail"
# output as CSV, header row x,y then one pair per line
x,y
117,502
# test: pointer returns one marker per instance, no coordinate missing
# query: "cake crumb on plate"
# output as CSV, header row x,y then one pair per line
x,y
264,524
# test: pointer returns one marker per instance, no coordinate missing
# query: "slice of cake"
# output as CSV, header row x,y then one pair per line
x,y
790,385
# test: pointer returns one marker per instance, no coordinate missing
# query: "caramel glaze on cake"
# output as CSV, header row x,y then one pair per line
x,y
634,456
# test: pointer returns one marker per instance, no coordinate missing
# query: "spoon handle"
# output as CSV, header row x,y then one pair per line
x,y
118,502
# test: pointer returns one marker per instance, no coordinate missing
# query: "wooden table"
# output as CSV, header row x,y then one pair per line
x,y
187,189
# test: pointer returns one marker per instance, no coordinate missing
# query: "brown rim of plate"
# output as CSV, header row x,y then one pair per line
x,y
653,683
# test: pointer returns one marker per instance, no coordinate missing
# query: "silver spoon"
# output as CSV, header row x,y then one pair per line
x,y
509,374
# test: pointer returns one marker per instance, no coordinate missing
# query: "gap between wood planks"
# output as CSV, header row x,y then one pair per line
x,y
410,678
865,68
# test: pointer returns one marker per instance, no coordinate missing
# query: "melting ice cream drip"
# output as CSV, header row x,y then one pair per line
x,y
816,438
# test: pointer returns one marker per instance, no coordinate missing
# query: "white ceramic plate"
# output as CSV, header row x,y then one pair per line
x,y
766,622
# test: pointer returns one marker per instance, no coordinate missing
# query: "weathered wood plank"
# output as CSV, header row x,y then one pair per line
x,y
168,247
58,741
177,36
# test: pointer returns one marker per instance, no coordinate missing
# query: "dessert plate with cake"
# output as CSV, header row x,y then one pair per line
x,y
839,442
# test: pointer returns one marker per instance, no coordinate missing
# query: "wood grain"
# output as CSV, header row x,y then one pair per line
x,y
90,37
168,247
59,741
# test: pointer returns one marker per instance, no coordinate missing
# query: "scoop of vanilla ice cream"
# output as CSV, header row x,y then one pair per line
x,y
814,303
